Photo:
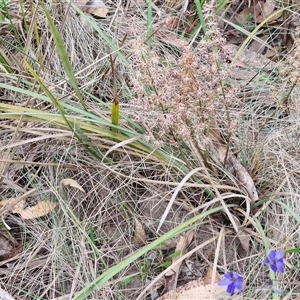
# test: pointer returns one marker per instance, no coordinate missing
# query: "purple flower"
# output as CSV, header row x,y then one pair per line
x,y
234,281
275,260
277,291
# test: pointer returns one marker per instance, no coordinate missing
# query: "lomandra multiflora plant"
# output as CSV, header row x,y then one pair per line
x,y
183,98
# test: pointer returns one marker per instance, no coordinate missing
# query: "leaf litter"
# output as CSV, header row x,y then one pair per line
x,y
42,208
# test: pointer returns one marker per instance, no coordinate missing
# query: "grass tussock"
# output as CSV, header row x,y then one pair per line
x,y
188,125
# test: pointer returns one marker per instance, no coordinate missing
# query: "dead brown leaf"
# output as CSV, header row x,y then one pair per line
x,y
271,53
244,179
220,153
169,38
259,12
99,11
163,31
137,2
298,298
208,276
267,7
254,10
257,46
140,237
169,244
96,8
172,276
244,239
10,203
41,209
248,58
72,183
169,23
9,246
242,17
276,16
290,44
6,248
243,236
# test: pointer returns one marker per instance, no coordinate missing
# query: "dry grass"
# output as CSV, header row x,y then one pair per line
x,y
177,98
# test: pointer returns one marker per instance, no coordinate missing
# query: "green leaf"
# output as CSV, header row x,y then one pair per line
x,y
166,264
249,17
200,15
127,280
290,210
175,254
63,55
293,250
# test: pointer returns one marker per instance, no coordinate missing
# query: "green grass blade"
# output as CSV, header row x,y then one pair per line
x,y
200,15
262,233
221,4
4,7
4,64
290,210
293,250
64,57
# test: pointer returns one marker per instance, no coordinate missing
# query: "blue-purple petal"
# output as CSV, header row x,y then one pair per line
x,y
225,281
280,266
273,267
231,288
272,255
233,281
275,260
279,254
277,291
266,261
229,275
239,285
239,277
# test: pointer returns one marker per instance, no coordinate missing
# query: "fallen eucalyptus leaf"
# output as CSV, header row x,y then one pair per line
x,y
41,209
